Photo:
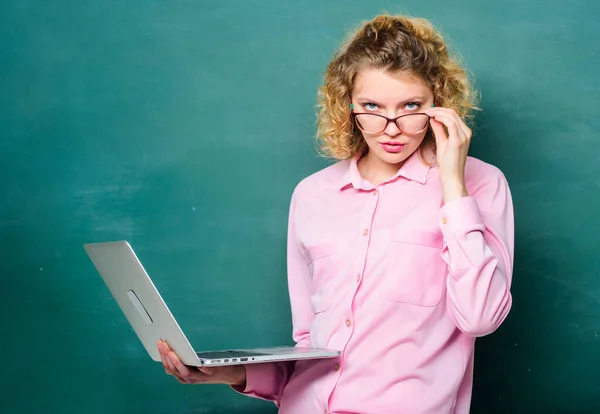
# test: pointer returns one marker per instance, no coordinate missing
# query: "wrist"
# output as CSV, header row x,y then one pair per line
x,y
453,190
240,380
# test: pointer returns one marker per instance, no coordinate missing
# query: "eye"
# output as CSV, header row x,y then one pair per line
x,y
412,106
370,106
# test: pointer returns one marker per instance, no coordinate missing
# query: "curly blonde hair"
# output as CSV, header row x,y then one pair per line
x,y
392,43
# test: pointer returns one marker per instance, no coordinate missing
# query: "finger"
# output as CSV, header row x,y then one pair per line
x,y
206,370
173,372
181,368
170,365
452,114
194,377
438,132
163,347
164,362
181,379
453,131
461,124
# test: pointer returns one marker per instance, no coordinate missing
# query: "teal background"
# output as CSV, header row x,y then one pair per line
x,y
183,127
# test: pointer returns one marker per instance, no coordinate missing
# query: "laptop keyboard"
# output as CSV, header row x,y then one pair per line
x,y
227,354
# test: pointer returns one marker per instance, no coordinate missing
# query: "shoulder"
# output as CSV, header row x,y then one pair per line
x,y
324,180
486,182
480,175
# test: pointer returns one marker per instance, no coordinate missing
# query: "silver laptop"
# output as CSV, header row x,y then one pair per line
x,y
152,320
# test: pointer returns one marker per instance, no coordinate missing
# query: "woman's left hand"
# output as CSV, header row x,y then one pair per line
x,y
452,150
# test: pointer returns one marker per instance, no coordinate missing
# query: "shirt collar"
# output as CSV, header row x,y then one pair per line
x,y
414,169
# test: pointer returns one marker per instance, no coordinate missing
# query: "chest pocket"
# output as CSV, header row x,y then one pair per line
x,y
419,272
321,264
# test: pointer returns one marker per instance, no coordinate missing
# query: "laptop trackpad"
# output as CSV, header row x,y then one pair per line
x,y
140,308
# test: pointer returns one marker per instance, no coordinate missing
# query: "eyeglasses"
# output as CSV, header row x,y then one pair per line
x,y
376,124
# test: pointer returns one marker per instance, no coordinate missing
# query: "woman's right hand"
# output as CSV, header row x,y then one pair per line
x,y
234,375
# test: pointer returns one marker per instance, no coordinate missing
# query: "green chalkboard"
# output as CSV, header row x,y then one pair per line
x,y
183,128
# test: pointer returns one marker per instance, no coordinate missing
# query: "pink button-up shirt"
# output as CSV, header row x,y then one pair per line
x,y
396,280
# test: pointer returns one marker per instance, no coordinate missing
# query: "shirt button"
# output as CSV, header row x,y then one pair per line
x,y
444,220
365,232
336,366
358,278
374,192
348,323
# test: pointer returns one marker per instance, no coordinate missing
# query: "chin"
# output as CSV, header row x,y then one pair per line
x,y
396,158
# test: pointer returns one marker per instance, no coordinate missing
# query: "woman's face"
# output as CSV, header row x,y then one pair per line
x,y
391,95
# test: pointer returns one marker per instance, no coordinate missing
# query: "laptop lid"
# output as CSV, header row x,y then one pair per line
x,y
138,298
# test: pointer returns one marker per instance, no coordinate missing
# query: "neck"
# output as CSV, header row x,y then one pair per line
x,y
376,171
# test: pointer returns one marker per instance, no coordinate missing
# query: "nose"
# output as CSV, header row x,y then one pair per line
x,y
392,129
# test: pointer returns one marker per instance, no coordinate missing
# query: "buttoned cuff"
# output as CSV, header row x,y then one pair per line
x,y
260,381
460,217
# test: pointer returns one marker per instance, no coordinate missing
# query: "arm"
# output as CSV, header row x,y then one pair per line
x,y
479,246
267,381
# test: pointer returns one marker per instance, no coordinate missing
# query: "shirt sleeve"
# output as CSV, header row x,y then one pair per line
x,y
267,381
478,249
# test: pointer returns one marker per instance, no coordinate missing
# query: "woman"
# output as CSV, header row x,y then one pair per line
x,y
400,254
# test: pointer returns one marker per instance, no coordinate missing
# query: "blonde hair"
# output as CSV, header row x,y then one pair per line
x,y
391,43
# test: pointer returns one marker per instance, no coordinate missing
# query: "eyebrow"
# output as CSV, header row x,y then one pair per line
x,y
411,99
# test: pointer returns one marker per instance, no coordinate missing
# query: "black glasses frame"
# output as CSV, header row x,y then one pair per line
x,y
394,120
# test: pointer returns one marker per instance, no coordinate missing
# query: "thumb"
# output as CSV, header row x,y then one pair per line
x,y
205,370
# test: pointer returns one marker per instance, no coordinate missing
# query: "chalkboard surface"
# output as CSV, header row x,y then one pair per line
x,y
183,127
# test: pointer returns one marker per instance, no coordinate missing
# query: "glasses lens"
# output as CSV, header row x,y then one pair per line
x,y
413,123
371,123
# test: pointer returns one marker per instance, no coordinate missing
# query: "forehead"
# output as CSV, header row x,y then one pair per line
x,y
388,86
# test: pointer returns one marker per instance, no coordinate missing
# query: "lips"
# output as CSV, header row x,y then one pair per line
x,y
392,146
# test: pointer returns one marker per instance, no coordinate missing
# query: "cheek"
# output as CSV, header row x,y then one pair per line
x,y
418,139
370,139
